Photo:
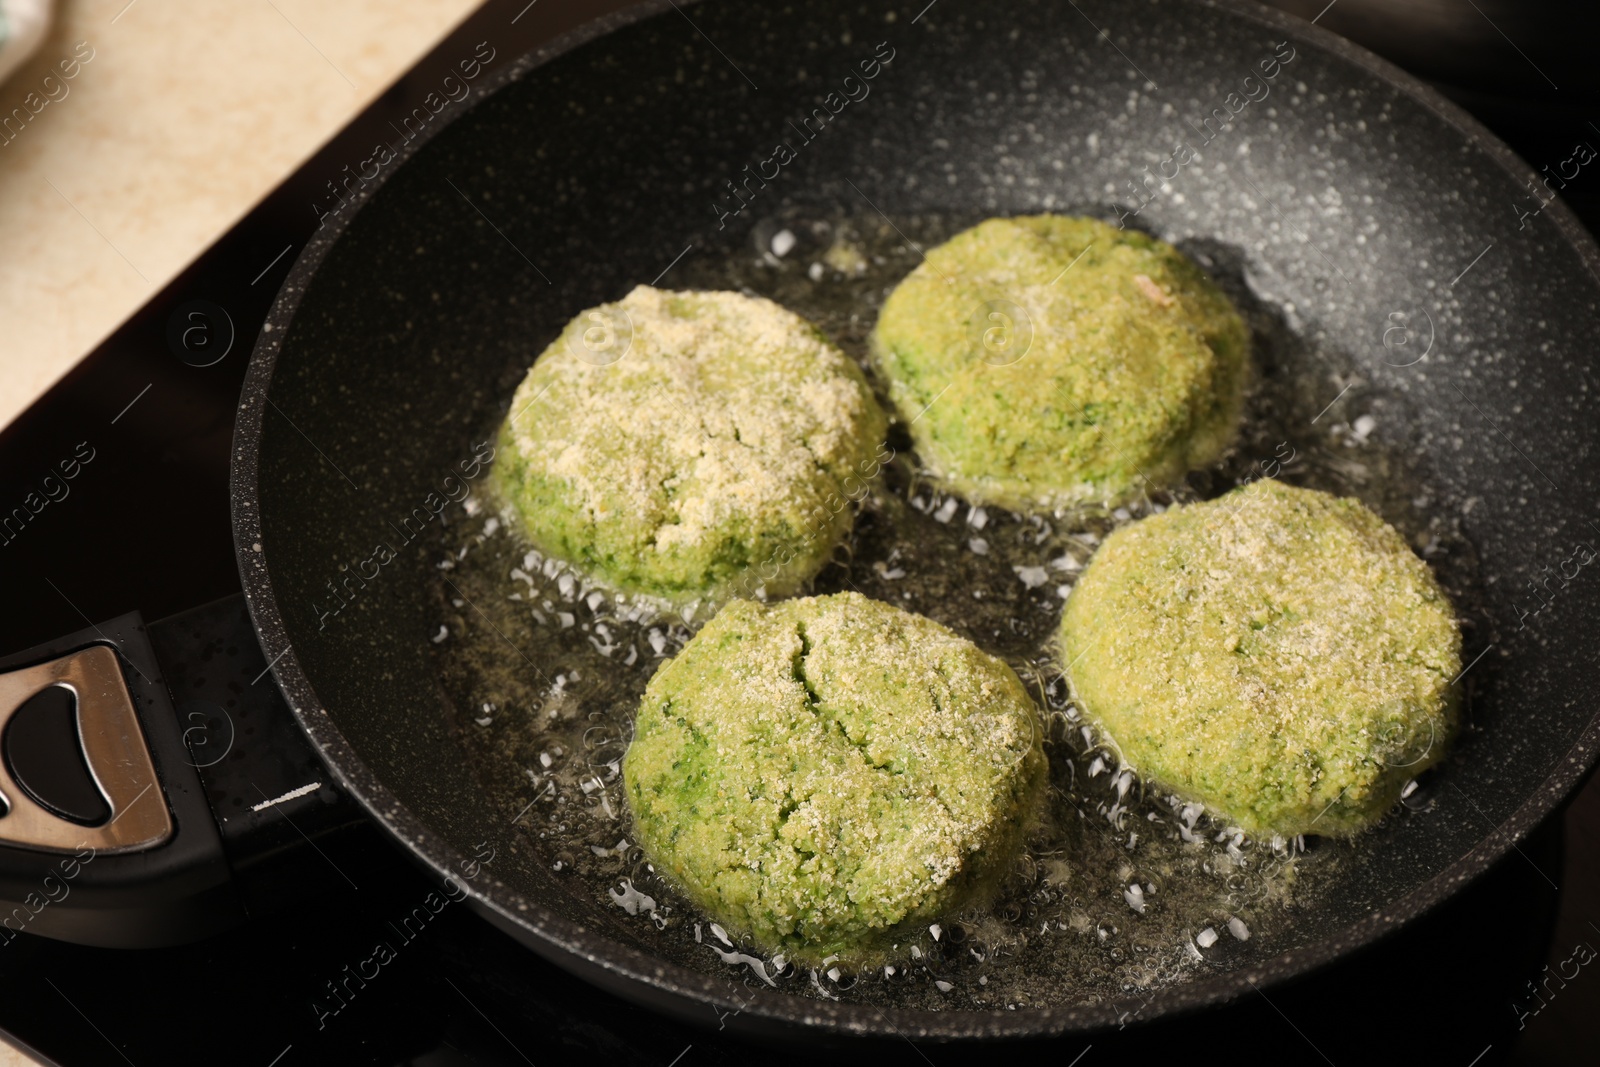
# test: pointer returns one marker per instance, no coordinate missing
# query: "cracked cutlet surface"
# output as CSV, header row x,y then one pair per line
x,y
820,774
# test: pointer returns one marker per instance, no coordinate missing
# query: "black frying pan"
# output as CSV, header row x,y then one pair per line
x,y
1378,231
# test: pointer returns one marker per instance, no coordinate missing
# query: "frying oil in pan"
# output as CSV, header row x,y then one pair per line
x,y
1122,889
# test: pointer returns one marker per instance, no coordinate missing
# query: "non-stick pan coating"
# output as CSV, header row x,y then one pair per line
x,y
1354,194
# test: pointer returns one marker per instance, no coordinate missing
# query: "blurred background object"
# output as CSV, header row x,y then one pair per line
x,y
22,27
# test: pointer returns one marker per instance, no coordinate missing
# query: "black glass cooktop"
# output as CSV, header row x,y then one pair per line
x,y
145,422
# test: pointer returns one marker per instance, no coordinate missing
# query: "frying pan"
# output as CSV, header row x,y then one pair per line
x,y
1351,199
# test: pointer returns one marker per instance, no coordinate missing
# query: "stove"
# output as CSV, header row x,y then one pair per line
x,y
145,424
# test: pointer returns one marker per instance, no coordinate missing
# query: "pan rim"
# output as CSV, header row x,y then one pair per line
x,y
564,941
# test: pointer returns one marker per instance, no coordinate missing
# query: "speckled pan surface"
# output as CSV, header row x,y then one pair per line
x,y
1382,223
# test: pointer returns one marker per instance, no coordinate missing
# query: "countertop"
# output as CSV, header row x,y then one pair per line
x,y
176,118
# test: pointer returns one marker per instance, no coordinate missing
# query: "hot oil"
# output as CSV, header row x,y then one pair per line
x,y
1121,890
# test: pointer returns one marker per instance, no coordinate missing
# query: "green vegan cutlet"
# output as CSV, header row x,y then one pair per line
x,y
828,775
1278,654
1047,361
689,446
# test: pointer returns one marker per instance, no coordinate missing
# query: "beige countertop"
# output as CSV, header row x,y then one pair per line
x,y
162,122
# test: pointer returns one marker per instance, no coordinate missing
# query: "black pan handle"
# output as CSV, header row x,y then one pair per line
x,y
140,808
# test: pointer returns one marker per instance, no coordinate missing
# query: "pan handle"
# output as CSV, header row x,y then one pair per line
x,y
127,818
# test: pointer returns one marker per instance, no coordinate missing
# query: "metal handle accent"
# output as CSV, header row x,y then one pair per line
x,y
114,748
